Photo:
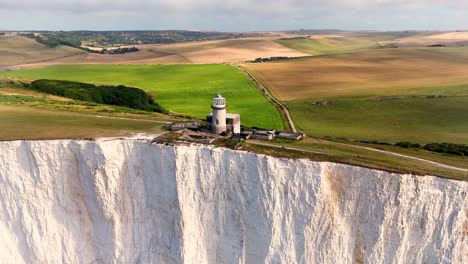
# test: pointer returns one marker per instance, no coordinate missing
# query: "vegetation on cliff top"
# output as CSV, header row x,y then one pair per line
x,y
103,94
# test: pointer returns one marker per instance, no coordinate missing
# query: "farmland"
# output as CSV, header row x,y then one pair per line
x,y
321,44
385,94
16,50
441,119
343,42
232,50
378,72
184,89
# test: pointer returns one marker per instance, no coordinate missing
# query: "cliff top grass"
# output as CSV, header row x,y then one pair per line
x,y
31,114
26,122
373,156
354,154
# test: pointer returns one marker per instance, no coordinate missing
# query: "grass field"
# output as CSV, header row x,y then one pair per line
x,y
414,119
185,89
346,42
385,94
320,46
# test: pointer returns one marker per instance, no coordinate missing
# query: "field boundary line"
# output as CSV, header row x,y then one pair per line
x,y
270,96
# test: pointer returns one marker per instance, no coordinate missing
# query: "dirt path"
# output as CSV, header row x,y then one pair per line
x,y
408,157
270,96
288,148
132,119
366,148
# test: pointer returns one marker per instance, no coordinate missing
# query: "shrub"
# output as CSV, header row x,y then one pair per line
x,y
408,145
105,94
449,148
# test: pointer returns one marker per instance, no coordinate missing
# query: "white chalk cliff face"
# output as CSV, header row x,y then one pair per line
x,y
129,201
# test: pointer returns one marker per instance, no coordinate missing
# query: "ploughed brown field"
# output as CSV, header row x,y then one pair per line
x,y
232,50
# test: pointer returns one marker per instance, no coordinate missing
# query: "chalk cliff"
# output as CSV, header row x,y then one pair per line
x,y
130,201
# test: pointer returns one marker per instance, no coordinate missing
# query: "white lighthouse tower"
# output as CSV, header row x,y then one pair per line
x,y
219,114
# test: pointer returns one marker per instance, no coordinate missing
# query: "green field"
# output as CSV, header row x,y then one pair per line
x,y
327,45
341,43
184,89
416,119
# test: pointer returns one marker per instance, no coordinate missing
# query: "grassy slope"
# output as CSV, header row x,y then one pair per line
x,y
24,122
357,82
19,50
28,114
185,89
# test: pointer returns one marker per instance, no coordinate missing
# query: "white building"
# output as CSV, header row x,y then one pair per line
x,y
219,121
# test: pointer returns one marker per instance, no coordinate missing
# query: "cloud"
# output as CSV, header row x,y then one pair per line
x,y
260,6
246,14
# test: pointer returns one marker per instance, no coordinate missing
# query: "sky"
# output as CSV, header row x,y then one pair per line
x,y
233,15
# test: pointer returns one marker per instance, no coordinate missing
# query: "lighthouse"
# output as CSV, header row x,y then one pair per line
x,y
219,121
219,114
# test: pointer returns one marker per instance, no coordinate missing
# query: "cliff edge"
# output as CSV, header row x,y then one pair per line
x,y
130,201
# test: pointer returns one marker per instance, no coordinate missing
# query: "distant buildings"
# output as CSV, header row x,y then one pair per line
x,y
182,126
219,121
